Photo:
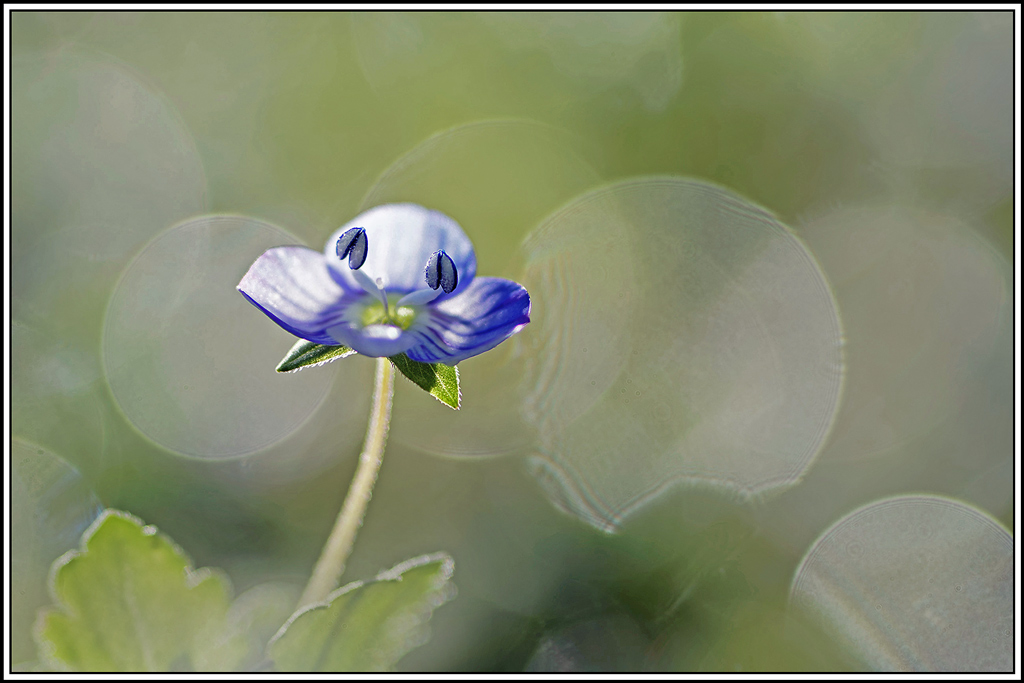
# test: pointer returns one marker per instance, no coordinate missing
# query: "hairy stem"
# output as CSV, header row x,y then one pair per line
x,y
331,565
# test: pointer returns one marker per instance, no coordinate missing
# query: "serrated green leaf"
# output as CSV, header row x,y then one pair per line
x,y
306,353
129,601
437,379
254,616
366,626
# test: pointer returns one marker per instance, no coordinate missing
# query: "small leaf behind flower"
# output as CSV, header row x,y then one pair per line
x,y
437,379
366,626
306,353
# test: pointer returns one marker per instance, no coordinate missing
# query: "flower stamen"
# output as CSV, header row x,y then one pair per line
x,y
441,272
420,297
353,244
372,287
384,295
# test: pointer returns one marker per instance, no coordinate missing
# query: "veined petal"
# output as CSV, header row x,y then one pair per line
x,y
400,240
373,340
293,286
483,315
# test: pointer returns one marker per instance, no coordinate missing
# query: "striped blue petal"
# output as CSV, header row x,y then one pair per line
x,y
481,316
293,286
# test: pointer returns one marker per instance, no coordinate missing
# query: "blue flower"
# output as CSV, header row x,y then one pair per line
x,y
398,278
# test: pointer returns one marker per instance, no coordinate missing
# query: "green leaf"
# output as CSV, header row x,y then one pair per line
x,y
254,616
437,379
366,626
306,353
129,600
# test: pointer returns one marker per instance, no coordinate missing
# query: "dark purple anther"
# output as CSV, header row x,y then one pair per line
x,y
352,244
441,272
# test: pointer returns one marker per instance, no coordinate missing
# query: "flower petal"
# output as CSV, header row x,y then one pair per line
x,y
294,287
401,238
482,316
373,340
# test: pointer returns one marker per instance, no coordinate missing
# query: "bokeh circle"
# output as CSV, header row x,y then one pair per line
x,y
930,588
188,359
680,335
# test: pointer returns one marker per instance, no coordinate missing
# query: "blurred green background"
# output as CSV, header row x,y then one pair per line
x,y
860,131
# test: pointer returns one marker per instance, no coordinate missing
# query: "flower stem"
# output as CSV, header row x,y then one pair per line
x,y
331,565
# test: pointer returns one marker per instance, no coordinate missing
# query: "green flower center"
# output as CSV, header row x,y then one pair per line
x,y
399,316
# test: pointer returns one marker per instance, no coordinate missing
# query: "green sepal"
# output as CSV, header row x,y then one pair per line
x,y
437,379
306,353
366,625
